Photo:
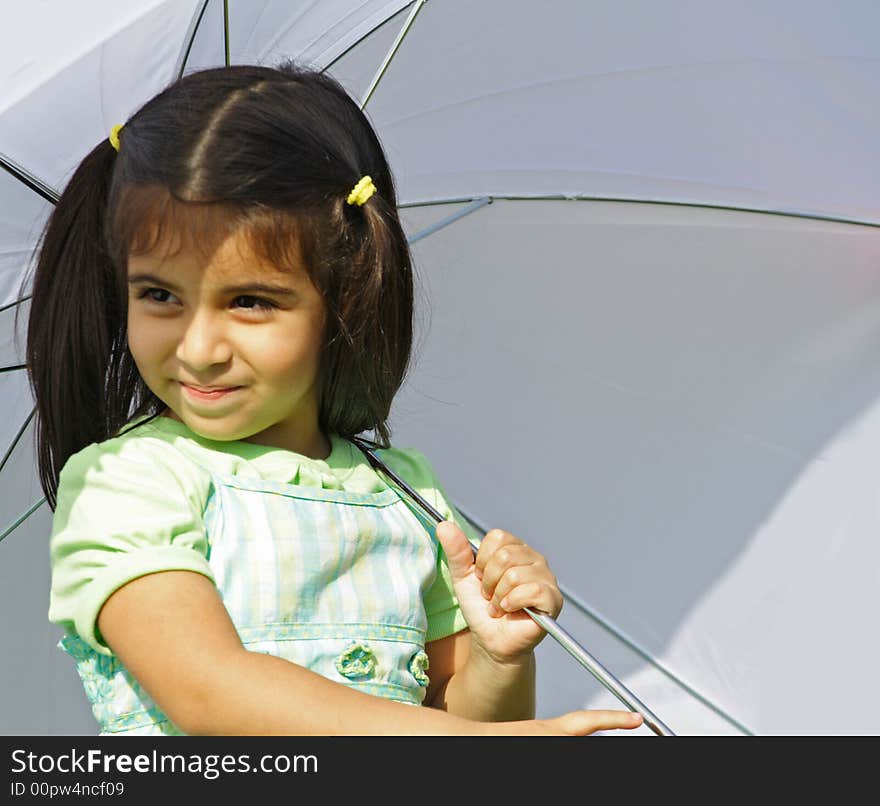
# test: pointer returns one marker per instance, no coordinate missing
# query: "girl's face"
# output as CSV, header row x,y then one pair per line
x,y
230,343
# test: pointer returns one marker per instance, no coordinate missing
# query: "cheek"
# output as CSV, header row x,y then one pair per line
x,y
134,337
291,357
144,343
292,365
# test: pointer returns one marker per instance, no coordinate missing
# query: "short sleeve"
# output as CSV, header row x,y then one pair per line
x,y
441,605
125,508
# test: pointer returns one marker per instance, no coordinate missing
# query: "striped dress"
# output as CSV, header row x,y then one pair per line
x,y
331,579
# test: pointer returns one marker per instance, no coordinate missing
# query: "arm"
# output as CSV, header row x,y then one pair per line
x,y
172,632
465,681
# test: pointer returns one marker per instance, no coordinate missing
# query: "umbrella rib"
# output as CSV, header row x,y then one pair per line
x,y
616,632
404,30
40,188
21,519
17,438
9,305
28,179
445,222
226,30
13,368
191,37
360,39
636,200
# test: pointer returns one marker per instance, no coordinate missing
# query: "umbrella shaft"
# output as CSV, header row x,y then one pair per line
x,y
599,671
546,622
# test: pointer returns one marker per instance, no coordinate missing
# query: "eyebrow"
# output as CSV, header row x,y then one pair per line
x,y
247,288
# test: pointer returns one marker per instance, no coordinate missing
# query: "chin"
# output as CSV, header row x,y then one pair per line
x,y
215,430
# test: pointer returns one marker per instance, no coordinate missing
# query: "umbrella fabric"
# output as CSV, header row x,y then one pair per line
x,y
646,240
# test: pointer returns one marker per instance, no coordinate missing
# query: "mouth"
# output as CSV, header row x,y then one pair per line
x,y
207,392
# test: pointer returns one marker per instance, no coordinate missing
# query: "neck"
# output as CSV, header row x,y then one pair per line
x,y
307,441
310,442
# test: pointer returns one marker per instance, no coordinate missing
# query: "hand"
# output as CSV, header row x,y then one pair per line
x,y
575,723
506,576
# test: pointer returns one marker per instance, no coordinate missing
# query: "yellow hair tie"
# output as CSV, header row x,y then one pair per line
x,y
114,135
362,192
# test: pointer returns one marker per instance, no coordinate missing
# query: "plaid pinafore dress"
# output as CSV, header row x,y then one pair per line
x,y
328,579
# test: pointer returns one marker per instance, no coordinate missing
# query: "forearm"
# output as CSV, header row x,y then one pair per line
x,y
486,691
263,695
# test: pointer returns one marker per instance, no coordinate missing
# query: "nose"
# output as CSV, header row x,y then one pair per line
x,y
204,343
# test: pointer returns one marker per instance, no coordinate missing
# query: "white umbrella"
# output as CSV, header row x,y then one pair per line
x,y
647,244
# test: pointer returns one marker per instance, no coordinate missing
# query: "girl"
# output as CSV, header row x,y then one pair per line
x,y
225,301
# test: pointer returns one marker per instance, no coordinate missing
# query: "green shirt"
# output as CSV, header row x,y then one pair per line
x,y
133,505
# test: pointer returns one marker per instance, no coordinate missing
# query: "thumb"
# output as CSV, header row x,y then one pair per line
x,y
458,550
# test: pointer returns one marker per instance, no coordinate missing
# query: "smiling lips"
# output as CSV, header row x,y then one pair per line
x,y
207,392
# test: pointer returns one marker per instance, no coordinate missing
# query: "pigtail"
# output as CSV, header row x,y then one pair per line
x,y
75,316
373,327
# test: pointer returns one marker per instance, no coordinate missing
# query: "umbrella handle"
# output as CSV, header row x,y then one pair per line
x,y
546,622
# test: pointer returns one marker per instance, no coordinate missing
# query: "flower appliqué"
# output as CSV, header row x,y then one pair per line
x,y
418,666
357,661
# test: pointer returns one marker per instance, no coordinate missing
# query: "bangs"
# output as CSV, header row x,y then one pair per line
x,y
149,218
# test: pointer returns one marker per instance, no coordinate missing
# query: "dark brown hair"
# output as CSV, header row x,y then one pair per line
x,y
273,150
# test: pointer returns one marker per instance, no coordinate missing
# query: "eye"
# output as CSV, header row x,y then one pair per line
x,y
250,302
160,295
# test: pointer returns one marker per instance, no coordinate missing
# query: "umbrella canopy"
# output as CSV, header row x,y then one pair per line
x,y
646,242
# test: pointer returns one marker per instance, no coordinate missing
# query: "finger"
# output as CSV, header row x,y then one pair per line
x,y
457,549
540,596
502,560
583,723
494,539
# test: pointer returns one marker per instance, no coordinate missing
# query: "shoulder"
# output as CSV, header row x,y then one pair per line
x,y
134,465
416,470
413,467
410,464
135,453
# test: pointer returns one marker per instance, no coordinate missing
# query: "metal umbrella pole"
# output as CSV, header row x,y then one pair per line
x,y
547,623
